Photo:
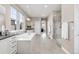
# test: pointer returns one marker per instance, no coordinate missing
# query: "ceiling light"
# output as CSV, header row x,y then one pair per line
x,y
45,6
28,19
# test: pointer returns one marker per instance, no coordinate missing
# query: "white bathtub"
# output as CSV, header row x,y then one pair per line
x,y
24,45
26,36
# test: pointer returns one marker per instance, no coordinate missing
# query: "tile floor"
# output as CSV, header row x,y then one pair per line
x,y
40,44
45,46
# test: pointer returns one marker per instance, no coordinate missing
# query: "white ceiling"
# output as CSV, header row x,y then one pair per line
x,y
39,10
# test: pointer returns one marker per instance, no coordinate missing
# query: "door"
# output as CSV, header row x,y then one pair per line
x,y
71,30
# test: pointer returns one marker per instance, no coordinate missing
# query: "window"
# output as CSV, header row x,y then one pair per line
x,y
13,13
16,19
13,18
20,20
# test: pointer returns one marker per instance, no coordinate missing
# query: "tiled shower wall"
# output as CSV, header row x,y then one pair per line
x,y
57,25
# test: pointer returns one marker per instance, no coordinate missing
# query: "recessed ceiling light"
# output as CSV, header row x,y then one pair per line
x,y
45,6
28,19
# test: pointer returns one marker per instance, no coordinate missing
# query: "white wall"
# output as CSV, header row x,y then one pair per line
x,y
37,25
50,25
7,17
1,22
76,29
2,9
2,16
67,13
67,16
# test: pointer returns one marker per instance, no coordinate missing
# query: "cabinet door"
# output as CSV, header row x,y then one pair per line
x,y
3,46
8,45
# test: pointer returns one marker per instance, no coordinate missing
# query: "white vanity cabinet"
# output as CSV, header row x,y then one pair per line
x,y
3,46
24,43
8,45
12,45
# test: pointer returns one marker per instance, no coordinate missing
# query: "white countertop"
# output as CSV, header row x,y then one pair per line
x,y
26,36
